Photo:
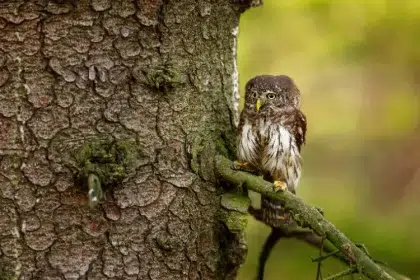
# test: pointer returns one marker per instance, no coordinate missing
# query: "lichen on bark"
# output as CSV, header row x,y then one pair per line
x,y
72,72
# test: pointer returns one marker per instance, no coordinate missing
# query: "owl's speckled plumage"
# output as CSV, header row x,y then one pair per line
x,y
270,136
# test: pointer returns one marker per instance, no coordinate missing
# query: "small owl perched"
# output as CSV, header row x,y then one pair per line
x,y
270,134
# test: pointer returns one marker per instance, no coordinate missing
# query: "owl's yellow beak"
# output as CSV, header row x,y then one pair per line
x,y
258,104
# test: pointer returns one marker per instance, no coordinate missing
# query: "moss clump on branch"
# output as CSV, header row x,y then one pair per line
x,y
234,211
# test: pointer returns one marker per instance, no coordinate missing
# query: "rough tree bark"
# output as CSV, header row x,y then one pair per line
x,y
158,72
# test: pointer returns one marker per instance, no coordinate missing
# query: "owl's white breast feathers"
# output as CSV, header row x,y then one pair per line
x,y
281,157
248,145
272,148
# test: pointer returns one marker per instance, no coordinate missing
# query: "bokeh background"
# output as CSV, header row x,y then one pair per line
x,y
357,64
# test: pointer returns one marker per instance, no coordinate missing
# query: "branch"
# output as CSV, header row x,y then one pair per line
x,y
305,216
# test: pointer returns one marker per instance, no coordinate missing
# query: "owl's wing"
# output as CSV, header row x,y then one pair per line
x,y
298,128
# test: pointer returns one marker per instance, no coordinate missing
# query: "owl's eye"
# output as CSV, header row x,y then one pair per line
x,y
254,95
271,95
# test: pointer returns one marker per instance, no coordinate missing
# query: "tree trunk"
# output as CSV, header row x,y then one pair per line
x,y
158,73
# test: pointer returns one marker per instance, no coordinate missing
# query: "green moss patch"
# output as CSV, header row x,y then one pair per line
x,y
112,161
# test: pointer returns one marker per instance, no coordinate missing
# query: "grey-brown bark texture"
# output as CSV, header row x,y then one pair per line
x,y
157,72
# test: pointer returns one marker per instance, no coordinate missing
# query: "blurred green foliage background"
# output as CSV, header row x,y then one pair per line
x,y
357,64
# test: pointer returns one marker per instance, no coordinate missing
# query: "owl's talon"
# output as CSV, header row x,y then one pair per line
x,y
238,165
243,166
234,167
280,186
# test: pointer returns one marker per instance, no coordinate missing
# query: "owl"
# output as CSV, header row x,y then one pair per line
x,y
270,136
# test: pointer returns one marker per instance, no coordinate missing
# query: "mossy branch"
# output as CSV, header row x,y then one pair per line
x,y
306,216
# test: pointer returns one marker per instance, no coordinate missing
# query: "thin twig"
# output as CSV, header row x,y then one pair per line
x,y
342,274
315,240
324,257
318,272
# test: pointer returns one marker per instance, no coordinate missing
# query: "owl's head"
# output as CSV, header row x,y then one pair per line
x,y
267,91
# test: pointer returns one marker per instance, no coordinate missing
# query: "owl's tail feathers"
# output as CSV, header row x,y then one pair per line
x,y
271,241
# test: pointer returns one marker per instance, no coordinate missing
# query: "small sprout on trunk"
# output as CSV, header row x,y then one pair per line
x,y
95,193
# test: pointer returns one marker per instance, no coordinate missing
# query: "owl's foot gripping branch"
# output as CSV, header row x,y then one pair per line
x,y
311,226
